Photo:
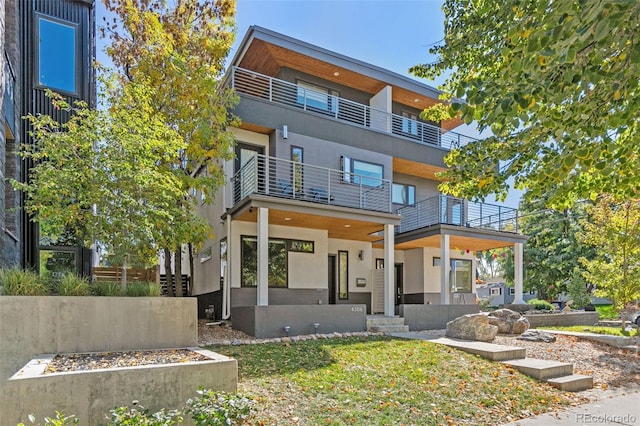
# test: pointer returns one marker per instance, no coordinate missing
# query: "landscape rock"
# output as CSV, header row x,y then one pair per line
x,y
537,336
508,321
472,327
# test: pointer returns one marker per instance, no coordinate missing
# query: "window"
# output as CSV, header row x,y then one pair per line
x,y
495,291
409,123
460,278
223,259
316,97
277,269
403,194
512,291
205,254
57,55
343,275
379,263
362,172
301,246
296,172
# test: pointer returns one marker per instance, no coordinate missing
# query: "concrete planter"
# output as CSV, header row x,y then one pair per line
x,y
434,317
562,319
89,395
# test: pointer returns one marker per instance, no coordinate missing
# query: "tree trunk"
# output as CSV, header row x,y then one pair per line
x,y
167,272
178,263
190,283
123,275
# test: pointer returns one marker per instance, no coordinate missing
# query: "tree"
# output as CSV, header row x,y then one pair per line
x,y
615,230
553,249
103,175
557,83
495,263
180,51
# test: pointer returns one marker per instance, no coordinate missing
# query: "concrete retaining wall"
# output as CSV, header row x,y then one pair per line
x,y
34,325
89,395
562,319
269,321
433,317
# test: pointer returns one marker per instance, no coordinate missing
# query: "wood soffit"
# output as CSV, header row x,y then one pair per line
x,y
267,59
413,168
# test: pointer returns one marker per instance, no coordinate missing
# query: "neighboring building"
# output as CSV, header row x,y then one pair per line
x,y
501,294
46,44
9,135
334,180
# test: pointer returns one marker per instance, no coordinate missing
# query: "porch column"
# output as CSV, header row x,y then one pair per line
x,y
389,268
517,274
445,269
263,257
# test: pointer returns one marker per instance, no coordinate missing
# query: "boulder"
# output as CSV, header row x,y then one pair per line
x,y
472,327
508,321
537,336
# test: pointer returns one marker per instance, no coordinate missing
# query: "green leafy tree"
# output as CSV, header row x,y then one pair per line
x,y
551,254
615,230
179,50
557,83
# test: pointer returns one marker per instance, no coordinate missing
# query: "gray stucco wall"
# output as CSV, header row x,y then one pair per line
x,y
433,317
246,296
269,321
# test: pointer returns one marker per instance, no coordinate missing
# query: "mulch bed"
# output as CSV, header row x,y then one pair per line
x,y
100,360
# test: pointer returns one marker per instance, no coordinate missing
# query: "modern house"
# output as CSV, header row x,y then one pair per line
x,y
47,44
499,293
332,201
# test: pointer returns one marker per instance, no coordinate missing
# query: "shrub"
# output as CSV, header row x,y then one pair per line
x,y
541,305
140,416
72,285
155,290
18,282
106,288
484,303
59,420
138,289
218,408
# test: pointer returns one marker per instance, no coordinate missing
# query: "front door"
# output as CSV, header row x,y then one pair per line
x,y
333,287
399,285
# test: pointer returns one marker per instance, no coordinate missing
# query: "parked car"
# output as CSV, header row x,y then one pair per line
x,y
636,318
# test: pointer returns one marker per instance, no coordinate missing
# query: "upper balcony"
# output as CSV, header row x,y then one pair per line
x,y
304,182
282,92
447,210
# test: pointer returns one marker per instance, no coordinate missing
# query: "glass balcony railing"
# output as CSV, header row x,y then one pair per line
x,y
298,96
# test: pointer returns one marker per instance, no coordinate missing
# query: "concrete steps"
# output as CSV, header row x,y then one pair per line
x,y
541,369
488,351
572,383
386,325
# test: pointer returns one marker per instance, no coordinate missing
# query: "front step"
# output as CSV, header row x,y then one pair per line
x,y
387,325
488,351
572,383
388,329
541,369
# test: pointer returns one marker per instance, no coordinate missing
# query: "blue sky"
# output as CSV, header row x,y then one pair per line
x,y
393,34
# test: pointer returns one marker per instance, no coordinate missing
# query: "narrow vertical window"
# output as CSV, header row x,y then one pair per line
x,y
223,260
296,172
57,54
343,275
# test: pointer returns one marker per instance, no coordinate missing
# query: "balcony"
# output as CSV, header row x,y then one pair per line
x,y
304,182
343,110
444,209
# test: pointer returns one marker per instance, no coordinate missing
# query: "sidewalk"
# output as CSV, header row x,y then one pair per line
x,y
619,410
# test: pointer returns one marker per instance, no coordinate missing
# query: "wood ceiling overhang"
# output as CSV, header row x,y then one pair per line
x,y
268,58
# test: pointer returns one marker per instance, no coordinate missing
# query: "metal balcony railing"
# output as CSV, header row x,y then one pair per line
x,y
283,92
444,209
297,181
8,95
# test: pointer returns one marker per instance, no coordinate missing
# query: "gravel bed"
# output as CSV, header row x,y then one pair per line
x,y
98,360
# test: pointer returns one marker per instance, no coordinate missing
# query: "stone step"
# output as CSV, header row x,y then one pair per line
x,y
378,321
490,351
541,369
391,328
572,383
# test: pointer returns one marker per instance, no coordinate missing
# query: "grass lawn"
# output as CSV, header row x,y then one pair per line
x,y
380,380
613,331
607,312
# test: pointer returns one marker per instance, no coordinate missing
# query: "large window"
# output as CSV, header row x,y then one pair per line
x,y
460,278
277,275
403,194
316,97
362,172
58,54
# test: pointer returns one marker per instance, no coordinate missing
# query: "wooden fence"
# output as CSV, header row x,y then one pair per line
x,y
133,274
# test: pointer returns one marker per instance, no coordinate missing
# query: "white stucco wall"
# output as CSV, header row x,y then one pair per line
x,y
357,268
